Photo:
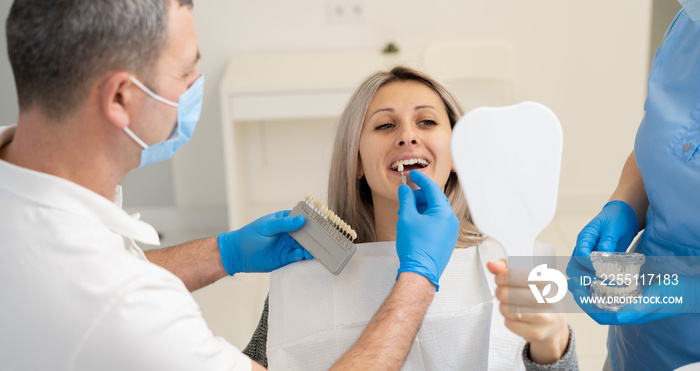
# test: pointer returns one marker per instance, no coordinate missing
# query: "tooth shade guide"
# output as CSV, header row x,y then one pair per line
x,y
325,235
403,176
327,214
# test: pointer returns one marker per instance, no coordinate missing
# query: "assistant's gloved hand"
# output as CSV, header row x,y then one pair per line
x,y
613,229
653,307
425,239
263,245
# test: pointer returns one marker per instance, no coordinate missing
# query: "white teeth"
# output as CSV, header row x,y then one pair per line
x,y
609,269
398,165
609,289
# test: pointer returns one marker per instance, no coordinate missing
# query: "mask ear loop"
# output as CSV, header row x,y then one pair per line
x,y
135,138
152,94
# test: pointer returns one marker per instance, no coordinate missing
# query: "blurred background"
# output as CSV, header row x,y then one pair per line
x,y
278,74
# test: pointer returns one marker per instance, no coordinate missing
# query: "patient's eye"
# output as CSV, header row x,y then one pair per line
x,y
427,123
384,126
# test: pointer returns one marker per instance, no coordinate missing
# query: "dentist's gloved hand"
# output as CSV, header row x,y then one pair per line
x,y
263,245
613,229
427,230
649,309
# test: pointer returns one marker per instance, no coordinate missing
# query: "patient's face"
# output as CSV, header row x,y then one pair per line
x,y
406,121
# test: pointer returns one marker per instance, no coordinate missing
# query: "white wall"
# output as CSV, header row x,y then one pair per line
x,y
587,61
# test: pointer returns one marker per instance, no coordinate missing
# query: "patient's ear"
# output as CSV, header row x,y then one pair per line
x,y
115,97
360,170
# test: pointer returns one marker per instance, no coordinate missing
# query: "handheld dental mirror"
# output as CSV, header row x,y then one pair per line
x,y
508,161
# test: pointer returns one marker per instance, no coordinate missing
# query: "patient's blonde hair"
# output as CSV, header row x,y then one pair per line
x,y
349,194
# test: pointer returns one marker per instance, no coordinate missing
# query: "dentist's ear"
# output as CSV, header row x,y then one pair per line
x,y
115,97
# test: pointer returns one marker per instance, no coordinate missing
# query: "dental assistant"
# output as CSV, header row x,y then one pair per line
x,y
105,87
659,192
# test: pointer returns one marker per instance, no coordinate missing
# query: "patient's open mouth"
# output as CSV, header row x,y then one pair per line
x,y
410,164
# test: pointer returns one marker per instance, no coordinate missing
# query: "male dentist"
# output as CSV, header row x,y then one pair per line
x,y
105,87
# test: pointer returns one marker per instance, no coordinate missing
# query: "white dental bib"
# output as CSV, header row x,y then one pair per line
x,y
315,316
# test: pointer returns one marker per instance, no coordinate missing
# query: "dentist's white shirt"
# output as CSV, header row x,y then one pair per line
x,y
77,293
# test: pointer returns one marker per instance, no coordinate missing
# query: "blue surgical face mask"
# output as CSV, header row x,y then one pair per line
x,y
692,8
189,107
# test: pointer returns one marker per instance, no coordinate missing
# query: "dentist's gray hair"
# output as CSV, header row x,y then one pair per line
x,y
58,48
349,195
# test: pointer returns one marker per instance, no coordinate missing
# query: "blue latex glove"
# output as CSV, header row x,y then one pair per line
x,y
613,229
580,266
687,288
646,310
427,230
263,245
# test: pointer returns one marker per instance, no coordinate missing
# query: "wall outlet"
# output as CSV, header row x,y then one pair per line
x,y
345,12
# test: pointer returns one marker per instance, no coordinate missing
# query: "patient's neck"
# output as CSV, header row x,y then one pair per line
x,y
385,218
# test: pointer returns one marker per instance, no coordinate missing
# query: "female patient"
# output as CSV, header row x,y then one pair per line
x,y
403,119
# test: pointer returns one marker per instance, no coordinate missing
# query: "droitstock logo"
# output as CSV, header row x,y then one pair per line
x,y
543,274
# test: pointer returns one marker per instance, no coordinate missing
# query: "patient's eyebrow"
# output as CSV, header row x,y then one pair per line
x,y
388,109
423,107
416,108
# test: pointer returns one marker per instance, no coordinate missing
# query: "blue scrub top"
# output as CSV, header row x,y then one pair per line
x,y
667,150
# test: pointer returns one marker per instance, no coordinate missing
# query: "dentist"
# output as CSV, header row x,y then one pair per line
x,y
105,87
